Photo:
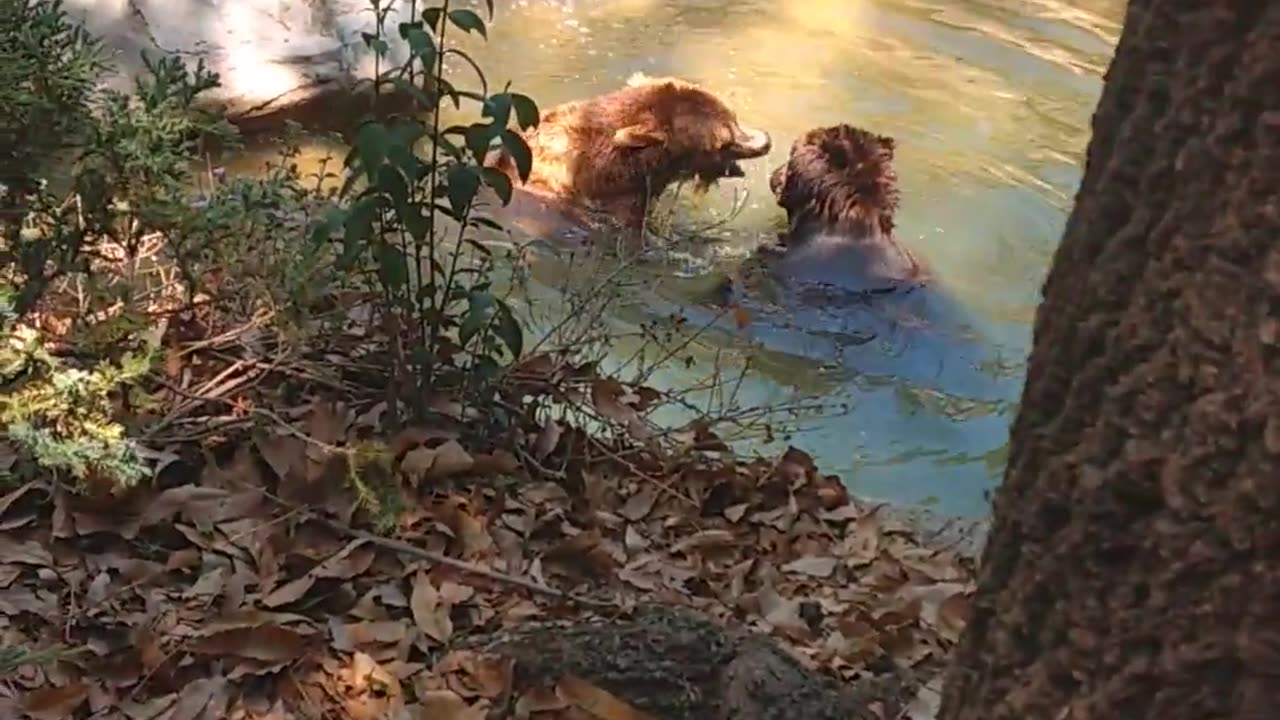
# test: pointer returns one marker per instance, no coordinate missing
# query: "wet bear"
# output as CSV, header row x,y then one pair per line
x,y
613,154
838,280
840,192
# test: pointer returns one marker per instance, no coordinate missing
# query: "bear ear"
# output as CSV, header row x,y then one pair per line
x,y
639,135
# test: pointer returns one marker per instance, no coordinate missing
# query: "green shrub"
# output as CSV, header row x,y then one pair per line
x,y
410,205
102,237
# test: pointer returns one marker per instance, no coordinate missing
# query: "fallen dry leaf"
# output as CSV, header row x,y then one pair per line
x,y
598,702
734,513
633,541
491,676
13,495
203,699
547,439
539,699
609,398
447,705
25,553
350,636
327,422
862,544
466,527
780,612
271,643
812,565
55,703
639,505
429,612
368,691
451,459
703,540
953,615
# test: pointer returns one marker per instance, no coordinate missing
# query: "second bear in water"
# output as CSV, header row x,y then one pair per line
x,y
838,278
840,192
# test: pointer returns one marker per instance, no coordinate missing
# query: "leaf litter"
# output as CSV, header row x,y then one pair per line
x,y
252,581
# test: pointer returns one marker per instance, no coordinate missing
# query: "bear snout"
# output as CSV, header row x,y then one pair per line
x,y
751,143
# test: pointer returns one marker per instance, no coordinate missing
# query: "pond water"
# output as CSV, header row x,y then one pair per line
x,y
989,102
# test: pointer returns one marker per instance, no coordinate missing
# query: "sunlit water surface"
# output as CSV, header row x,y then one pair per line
x,y
989,101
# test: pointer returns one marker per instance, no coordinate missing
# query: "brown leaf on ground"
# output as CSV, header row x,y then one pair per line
x,y
416,435
539,699
430,611
271,643
327,422
815,566
447,705
782,613
353,636
432,464
287,456
613,401
290,592
25,553
583,554
705,540
639,505
547,440
204,699
734,513
953,615
498,462
600,703
473,539
9,498
368,691
479,675
862,544
55,703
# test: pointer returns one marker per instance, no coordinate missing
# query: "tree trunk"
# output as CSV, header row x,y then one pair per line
x,y
1133,570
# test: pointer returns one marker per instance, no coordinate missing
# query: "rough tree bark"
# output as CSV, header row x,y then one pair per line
x,y
1133,570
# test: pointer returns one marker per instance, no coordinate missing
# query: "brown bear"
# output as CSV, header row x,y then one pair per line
x,y
838,282
840,192
615,153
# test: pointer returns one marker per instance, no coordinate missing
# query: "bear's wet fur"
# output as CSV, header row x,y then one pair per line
x,y
840,192
840,280
617,152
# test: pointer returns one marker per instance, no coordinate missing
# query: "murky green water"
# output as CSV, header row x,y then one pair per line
x,y
989,101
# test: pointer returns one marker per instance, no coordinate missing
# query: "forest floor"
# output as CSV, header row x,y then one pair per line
x,y
290,558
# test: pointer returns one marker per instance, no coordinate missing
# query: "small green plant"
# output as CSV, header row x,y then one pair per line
x,y
64,417
49,67
410,201
101,236
121,222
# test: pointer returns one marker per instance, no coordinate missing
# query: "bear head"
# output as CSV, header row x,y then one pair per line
x,y
838,179
622,149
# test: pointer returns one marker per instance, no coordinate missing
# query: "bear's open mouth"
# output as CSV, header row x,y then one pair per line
x,y
709,176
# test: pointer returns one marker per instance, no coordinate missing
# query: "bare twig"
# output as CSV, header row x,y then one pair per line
x,y
405,548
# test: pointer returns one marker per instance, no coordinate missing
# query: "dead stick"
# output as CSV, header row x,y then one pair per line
x,y
407,549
